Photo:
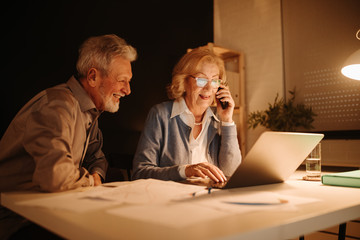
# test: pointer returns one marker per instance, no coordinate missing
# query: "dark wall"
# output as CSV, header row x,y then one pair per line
x,y
40,42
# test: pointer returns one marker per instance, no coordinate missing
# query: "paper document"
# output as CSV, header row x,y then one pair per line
x,y
180,212
72,201
167,203
135,192
246,201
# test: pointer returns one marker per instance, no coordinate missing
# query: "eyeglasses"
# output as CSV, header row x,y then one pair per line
x,y
201,82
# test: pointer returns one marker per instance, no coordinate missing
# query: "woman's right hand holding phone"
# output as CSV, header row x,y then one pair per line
x,y
223,95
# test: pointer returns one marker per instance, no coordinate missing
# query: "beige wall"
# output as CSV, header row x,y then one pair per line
x,y
253,27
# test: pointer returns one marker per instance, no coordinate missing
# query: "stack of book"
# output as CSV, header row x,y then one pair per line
x,y
345,179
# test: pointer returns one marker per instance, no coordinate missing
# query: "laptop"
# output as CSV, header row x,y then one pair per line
x,y
273,158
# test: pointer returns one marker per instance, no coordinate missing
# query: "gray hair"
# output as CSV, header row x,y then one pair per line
x,y
98,52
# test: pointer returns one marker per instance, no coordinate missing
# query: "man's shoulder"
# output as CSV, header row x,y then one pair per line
x,y
60,92
56,94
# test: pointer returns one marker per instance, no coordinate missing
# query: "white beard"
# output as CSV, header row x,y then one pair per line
x,y
109,105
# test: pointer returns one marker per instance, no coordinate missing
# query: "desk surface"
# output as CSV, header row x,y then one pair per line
x,y
336,205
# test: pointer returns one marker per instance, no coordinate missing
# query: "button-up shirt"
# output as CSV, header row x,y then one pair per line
x,y
198,145
53,143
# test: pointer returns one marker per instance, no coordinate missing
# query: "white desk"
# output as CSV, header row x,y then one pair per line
x,y
337,205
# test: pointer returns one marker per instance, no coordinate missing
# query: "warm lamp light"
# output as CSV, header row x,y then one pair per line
x,y
351,67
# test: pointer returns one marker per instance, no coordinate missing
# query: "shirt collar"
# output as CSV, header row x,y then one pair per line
x,y
180,107
81,95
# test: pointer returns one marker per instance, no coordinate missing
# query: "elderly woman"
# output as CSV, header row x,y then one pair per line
x,y
184,138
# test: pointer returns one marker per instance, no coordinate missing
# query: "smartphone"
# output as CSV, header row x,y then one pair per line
x,y
224,105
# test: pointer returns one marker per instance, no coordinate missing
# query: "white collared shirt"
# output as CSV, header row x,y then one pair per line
x,y
198,145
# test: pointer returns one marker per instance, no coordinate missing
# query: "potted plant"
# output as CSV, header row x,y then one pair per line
x,y
283,115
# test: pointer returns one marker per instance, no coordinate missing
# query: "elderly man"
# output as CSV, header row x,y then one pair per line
x,y
54,143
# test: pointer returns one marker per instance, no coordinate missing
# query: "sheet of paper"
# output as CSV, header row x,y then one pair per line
x,y
247,201
148,191
186,210
152,194
74,202
135,192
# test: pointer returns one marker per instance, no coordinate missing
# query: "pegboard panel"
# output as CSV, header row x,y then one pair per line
x,y
318,38
334,98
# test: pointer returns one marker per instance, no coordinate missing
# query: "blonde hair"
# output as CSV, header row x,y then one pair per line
x,y
189,65
98,52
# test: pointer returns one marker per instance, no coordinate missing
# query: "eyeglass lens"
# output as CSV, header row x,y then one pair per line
x,y
201,82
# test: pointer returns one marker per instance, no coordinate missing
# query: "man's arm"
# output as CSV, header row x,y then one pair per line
x,y
95,161
48,139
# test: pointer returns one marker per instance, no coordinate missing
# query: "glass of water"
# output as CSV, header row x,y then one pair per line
x,y
313,164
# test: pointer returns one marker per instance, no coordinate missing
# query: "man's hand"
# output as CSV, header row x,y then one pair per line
x,y
97,179
205,169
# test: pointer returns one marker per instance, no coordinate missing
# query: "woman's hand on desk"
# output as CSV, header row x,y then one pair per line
x,y
205,169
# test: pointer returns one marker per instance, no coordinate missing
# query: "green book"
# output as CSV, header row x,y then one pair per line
x,y
345,179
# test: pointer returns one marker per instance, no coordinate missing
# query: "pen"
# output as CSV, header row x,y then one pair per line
x,y
281,201
202,192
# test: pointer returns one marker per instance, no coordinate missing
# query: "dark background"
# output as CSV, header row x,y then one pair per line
x,y
41,39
